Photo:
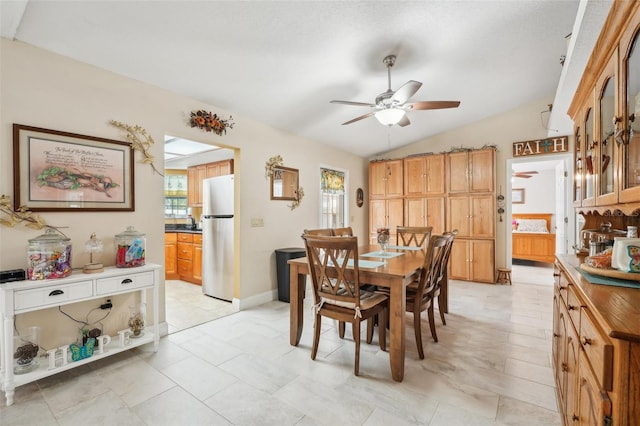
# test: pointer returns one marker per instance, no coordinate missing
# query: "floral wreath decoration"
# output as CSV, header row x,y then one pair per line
x,y
210,122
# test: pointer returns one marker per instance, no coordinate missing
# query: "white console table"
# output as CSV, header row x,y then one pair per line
x,y
26,296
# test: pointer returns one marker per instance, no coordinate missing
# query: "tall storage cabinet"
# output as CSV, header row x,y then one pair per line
x,y
445,191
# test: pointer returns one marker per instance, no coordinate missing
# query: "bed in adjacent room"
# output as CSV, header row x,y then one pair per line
x,y
531,237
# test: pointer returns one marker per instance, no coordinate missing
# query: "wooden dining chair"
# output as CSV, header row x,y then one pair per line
x,y
342,232
413,236
421,292
444,275
336,289
326,232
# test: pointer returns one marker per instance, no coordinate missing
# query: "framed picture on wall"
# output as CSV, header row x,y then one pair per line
x,y
517,196
61,171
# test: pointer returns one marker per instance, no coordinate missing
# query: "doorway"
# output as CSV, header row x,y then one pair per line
x,y
186,305
548,182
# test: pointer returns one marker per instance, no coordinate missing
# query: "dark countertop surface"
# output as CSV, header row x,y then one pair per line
x,y
179,228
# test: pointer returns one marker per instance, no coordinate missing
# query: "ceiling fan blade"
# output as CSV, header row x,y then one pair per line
x,y
404,121
519,175
369,114
403,94
432,105
354,103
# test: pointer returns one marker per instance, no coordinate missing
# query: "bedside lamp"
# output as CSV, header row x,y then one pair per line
x,y
93,246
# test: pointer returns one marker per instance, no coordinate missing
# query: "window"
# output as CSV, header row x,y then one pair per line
x,y
333,212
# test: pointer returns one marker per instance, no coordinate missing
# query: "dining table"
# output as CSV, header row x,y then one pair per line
x,y
394,268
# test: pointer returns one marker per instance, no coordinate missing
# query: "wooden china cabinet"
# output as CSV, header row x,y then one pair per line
x,y
596,328
386,206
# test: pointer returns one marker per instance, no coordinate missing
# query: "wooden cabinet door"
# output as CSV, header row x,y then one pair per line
x,y
482,261
481,170
572,352
457,172
415,212
593,403
435,176
377,214
192,186
459,260
414,176
425,212
435,214
201,176
606,111
395,214
458,215
482,218
197,264
377,179
226,167
213,170
395,179
170,257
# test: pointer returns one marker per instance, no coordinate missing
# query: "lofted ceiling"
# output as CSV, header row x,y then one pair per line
x,y
281,62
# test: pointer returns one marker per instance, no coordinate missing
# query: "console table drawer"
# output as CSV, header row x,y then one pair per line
x,y
106,286
52,295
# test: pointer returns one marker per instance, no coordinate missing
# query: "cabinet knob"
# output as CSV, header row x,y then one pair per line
x,y
556,335
563,287
585,340
556,274
575,418
571,307
565,367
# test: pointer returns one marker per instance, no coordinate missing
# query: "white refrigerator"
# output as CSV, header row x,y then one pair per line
x,y
217,236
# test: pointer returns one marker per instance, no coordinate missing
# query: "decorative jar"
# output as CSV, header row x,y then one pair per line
x,y
137,315
49,256
130,248
25,350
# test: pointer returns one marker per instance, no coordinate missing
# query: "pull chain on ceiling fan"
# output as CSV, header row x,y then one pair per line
x,y
390,107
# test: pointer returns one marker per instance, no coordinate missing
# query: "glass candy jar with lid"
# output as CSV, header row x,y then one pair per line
x,y
49,256
130,248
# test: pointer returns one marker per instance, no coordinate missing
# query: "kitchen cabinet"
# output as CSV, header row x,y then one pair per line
x,y
28,296
470,171
425,211
424,175
475,260
596,361
197,259
185,256
171,256
196,174
607,154
385,213
385,179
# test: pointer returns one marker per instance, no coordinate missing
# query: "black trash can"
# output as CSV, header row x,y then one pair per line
x,y
282,267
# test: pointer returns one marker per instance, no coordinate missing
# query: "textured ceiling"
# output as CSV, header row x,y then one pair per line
x,y
281,63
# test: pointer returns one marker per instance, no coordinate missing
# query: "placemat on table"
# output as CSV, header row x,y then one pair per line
x,y
596,279
405,248
386,255
365,263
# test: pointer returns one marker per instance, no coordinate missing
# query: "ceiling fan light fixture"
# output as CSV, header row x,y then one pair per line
x,y
389,116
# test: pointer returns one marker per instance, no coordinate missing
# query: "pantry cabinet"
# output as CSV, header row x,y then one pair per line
x,y
474,260
470,171
472,215
385,179
386,213
424,175
425,211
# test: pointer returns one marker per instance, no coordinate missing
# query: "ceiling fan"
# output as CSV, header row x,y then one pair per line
x,y
525,175
390,107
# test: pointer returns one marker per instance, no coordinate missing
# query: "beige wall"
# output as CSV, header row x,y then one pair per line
x,y
42,89
520,124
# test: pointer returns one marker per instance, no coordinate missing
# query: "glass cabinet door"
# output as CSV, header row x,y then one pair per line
x,y
589,159
629,134
605,131
577,167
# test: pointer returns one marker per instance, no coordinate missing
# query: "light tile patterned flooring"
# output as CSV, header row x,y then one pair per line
x,y
491,367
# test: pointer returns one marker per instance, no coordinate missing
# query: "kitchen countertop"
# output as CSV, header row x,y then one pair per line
x,y
183,231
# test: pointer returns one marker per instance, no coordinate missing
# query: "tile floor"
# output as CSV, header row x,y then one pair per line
x,y
491,367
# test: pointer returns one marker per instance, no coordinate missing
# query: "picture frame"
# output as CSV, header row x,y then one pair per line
x,y
62,171
517,196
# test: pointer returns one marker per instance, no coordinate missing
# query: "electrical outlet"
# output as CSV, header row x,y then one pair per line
x,y
107,305
257,222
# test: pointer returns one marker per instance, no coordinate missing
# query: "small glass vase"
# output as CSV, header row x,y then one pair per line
x,y
383,240
136,323
25,351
